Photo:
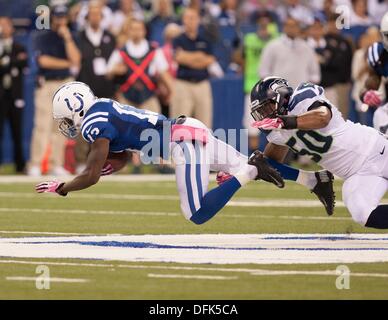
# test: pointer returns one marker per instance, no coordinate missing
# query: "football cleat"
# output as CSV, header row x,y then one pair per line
x,y
265,171
324,190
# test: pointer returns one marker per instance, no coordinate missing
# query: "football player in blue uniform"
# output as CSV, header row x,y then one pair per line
x,y
111,128
378,74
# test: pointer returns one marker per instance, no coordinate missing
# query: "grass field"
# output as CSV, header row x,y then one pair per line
x,y
152,208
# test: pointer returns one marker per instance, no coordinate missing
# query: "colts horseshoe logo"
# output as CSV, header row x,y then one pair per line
x,y
79,97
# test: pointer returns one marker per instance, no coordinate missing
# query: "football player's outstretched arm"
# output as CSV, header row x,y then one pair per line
x,y
90,176
94,164
315,119
370,95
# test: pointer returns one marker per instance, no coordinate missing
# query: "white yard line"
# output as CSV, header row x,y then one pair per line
x,y
113,178
45,233
186,276
151,213
252,271
66,280
103,212
239,202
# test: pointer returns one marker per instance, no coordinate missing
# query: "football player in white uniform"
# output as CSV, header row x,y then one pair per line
x,y
305,121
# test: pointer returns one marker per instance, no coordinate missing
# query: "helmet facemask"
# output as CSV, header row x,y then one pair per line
x,y
266,109
70,128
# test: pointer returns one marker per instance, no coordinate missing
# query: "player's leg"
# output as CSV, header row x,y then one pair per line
x,y
362,195
192,176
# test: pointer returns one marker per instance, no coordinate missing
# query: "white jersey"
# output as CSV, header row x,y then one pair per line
x,y
341,147
380,119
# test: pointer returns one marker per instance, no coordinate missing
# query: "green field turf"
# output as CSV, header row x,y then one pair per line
x,y
104,209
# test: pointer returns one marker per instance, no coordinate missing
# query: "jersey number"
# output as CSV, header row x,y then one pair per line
x,y
316,144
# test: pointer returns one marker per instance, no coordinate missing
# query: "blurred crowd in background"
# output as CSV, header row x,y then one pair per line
x,y
162,54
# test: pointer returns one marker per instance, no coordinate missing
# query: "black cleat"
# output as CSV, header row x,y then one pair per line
x,y
324,190
265,171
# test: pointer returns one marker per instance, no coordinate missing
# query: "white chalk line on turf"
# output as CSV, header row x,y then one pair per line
x,y
250,271
66,280
151,213
185,276
239,202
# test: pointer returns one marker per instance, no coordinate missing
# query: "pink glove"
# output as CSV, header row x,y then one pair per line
x,y
269,124
222,177
107,170
372,98
48,186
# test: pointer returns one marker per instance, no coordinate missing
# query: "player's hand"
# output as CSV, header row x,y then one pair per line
x,y
372,98
269,124
49,187
107,170
65,33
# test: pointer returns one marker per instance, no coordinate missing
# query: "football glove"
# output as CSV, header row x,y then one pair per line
x,y
372,98
50,187
269,124
107,170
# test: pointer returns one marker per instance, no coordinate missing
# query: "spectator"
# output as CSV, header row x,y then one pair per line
x,y
107,20
254,44
377,9
171,32
326,55
163,14
194,54
228,14
294,9
13,61
359,14
96,46
360,68
282,57
343,50
57,55
138,64
128,9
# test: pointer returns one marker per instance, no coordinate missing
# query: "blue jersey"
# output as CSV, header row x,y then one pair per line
x,y
122,125
378,59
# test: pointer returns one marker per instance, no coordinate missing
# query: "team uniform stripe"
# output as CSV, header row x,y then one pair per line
x,y
376,52
198,171
189,188
370,57
95,114
89,123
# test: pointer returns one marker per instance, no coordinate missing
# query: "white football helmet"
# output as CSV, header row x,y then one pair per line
x,y
70,104
384,30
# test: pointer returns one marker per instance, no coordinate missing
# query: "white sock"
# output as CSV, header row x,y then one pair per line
x,y
246,174
307,179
